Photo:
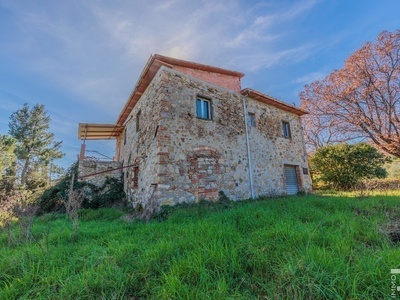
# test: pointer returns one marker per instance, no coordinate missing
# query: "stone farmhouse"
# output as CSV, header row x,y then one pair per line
x,y
189,131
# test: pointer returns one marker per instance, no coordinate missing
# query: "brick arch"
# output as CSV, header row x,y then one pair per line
x,y
204,172
203,151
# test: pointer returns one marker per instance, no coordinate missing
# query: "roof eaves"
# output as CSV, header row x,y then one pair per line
x,y
273,101
156,61
184,63
129,103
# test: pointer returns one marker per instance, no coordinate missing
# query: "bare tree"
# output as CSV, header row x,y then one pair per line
x,y
359,101
73,204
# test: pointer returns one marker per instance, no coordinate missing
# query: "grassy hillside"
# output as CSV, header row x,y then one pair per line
x,y
310,247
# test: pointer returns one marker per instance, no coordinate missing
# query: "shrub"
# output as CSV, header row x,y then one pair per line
x,y
111,192
384,184
343,165
19,206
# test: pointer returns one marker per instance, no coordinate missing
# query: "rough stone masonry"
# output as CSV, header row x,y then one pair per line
x,y
179,157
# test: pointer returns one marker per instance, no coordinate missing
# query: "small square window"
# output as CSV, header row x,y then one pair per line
x,y
305,171
203,108
286,130
251,119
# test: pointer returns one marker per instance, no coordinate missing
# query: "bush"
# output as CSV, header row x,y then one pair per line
x,y
52,200
342,166
110,193
393,168
385,184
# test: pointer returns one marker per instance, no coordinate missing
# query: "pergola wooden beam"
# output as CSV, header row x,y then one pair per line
x,y
88,131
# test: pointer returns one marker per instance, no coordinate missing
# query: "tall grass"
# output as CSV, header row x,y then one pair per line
x,y
310,247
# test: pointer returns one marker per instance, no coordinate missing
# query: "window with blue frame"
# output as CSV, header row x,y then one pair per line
x,y
203,108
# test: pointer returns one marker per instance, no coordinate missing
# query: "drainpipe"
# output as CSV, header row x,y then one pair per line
x,y
248,147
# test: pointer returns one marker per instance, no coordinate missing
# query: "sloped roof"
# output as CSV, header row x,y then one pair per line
x,y
272,101
109,131
151,68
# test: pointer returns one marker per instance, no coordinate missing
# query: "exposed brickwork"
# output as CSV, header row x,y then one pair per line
x,y
203,172
223,80
143,145
299,177
183,158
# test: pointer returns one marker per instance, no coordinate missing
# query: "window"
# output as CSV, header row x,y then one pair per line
x,y
125,137
138,121
286,130
203,108
305,171
251,119
135,177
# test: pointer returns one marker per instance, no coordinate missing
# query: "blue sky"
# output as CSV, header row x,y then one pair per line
x,y
81,59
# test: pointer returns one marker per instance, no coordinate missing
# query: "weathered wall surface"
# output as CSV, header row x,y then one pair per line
x,y
201,157
223,80
141,147
270,151
182,158
104,168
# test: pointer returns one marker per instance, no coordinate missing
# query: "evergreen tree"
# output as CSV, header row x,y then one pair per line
x,y
35,145
7,162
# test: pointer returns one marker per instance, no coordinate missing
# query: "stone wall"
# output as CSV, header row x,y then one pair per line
x,y
270,151
182,158
140,147
101,168
201,153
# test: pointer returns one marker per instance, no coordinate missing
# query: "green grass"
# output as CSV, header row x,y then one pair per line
x,y
310,247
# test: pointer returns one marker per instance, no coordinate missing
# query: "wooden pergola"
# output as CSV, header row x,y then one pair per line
x,y
88,131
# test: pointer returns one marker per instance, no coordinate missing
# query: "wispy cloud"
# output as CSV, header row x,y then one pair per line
x,y
262,28
99,57
310,77
299,8
166,5
269,58
84,57
185,31
255,32
6,105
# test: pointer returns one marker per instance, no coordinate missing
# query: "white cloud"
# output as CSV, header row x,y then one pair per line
x,y
9,106
255,32
184,31
261,29
269,58
299,8
90,53
96,50
310,77
166,5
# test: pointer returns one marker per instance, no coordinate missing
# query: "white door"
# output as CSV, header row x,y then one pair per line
x,y
292,185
